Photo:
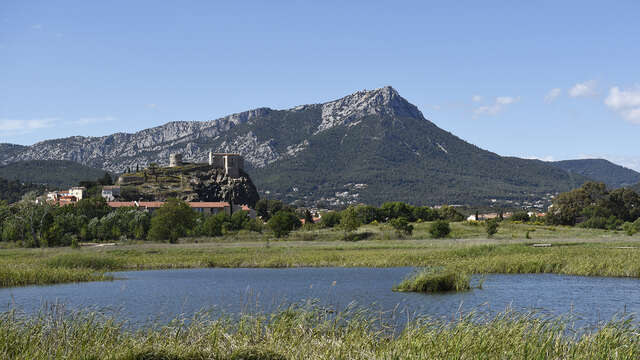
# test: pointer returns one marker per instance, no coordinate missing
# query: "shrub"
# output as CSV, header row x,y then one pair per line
x,y
401,225
492,227
440,229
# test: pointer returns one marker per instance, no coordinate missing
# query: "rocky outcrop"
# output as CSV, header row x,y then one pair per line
x,y
192,182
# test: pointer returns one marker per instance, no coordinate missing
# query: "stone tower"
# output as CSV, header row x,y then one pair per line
x,y
175,160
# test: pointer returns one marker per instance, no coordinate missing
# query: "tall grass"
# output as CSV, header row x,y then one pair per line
x,y
312,333
47,266
435,280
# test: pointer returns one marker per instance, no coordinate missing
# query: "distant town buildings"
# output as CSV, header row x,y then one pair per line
x,y
110,193
71,196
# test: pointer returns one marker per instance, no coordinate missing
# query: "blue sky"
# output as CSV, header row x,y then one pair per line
x,y
546,79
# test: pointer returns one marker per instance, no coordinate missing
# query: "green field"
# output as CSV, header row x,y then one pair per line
x,y
574,251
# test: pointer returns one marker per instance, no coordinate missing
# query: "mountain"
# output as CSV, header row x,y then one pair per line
x,y
55,173
370,146
613,175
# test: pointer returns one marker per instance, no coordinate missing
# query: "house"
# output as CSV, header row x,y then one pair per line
x,y
78,192
110,193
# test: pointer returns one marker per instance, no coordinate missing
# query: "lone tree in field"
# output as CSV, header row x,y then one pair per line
x,y
349,220
440,229
492,227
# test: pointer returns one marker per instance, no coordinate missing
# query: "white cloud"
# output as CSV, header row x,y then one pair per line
x,y
11,126
543,158
506,100
552,95
625,102
36,26
500,103
476,98
587,88
93,120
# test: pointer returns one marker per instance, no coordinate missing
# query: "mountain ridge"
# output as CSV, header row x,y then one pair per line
x,y
603,170
374,139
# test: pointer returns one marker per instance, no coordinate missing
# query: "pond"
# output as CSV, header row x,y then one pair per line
x,y
144,297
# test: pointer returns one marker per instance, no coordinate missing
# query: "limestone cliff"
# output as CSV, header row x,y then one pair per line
x,y
191,182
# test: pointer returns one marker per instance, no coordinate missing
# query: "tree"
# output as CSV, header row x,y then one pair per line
x,y
492,227
171,221
266,208
401,225
449,213
212,225
349,220
440,229
521,216
283,222
308,218
330,219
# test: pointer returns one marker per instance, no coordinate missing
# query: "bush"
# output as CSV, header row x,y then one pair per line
x,y
492,227
440,229
401,225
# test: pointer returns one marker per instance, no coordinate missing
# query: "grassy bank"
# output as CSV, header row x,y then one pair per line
x,y
602,255
312,334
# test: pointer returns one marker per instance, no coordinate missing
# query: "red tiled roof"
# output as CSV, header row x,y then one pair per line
x,y
118,204
157,204
204,204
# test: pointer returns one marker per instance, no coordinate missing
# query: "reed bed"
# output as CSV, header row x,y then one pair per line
x,y
47,266
435,280
313,333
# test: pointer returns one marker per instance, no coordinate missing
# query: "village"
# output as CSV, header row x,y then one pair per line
x,y
231,164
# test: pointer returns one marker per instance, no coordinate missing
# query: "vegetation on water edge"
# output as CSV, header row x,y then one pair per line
x,y
435,280
312,333
57,265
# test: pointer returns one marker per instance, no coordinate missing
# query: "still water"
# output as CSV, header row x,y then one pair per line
x,y
144,297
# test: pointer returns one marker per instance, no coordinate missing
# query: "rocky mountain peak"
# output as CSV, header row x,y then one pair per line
x,y
383,101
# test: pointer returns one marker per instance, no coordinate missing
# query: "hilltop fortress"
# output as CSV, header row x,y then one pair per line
x,y
232,164
222,178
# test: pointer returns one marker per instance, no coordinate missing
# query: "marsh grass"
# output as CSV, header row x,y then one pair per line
x,y
435,280
592,256
313,333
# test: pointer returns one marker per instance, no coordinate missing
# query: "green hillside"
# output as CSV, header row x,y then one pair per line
x,y
605,171
54,173
12,191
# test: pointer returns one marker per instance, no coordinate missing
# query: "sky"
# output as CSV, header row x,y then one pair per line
x,y
551,80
